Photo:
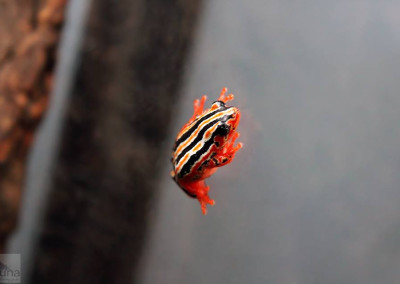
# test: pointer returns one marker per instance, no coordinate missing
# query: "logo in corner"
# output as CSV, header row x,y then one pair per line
x,y
10,268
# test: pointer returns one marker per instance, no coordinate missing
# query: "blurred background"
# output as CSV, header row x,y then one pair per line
x,y
314,195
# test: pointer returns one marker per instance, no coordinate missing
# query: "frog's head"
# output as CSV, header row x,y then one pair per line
x,y
229,117
228,123
234,119
218,105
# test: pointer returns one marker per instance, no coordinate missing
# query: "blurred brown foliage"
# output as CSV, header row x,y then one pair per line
x,y
29,32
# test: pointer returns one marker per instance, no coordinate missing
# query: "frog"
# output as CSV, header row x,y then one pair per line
x,y
204,144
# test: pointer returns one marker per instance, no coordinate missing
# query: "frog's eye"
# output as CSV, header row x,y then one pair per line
x,y
222,129
217,105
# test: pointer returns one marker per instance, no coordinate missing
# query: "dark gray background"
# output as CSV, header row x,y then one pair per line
x,y
314,195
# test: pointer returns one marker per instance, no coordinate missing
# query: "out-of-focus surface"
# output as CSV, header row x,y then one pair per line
x,y
118,105
313,197
45,146
29,32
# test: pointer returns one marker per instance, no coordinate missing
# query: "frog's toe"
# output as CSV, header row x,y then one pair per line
x,y
204,199
204,209
238,146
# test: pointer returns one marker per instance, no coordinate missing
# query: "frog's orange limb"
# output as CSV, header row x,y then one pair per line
x,y
204,200
224,98
198,108
230,147
228,153
200,190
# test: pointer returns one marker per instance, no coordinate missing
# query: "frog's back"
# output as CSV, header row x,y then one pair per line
x,y
195,141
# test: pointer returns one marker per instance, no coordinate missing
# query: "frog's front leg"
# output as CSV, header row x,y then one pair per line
x,y
228,152
223,98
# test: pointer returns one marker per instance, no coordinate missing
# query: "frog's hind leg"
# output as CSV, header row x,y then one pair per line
x,y
200,190
204,199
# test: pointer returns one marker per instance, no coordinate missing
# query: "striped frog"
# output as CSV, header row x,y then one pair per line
x,y
205,142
